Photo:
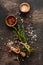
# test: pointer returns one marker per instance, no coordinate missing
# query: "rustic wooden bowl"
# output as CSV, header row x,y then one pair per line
x,y
11,20
24,7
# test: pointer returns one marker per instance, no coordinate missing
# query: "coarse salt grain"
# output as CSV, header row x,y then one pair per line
x,y
24,8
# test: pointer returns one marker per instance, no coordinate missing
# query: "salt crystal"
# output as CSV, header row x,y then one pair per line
x,y
30,16
19,13
28,25
24,8
27,56
10,43
37,47
31,42
16,18
15,41
9,40
2,38
35,35
35,39
22,59
31,33
22,20
31,28
26,31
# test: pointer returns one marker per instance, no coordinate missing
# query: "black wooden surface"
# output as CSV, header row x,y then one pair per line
x,y
36,17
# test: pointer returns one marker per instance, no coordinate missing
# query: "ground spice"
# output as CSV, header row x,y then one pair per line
x,y
11,20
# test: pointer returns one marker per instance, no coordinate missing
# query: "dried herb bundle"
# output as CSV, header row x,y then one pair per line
x,y
21,35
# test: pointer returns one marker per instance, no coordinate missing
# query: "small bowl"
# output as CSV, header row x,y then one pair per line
x,y
24,7
11,21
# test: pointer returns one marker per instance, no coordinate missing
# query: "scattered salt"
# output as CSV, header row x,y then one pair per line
x,y
32,42
37,47
31,33
10,43
34,36
30,16
27,56
22,20
15,41
22,59
2,38
9,40
26,31
35,39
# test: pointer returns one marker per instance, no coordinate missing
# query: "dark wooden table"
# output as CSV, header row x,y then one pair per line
x,y
35,23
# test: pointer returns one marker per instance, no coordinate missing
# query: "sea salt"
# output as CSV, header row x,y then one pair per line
x,y
10,43
24,8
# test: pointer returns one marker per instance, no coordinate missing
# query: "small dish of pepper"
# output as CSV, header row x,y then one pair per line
x,y
10,20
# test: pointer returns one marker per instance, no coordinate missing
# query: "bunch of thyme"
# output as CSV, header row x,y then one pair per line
x,y
21,35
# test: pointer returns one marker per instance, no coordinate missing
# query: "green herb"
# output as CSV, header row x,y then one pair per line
x,y
29,49
21,35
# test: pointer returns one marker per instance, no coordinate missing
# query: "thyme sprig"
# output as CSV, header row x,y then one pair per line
x,y
21,35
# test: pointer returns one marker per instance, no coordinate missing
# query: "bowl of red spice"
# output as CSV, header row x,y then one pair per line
x,y
11,20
